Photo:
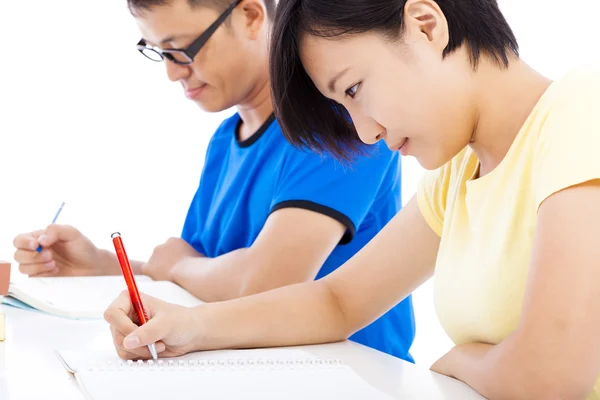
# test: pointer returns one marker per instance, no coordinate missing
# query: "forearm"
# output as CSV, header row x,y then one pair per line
x,y
236,274
304,313
108,263
505,371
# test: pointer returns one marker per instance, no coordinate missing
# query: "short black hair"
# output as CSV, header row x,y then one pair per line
x,y
219,5
309,119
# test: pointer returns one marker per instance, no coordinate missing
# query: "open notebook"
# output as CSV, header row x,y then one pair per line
x,y
87,297
257,374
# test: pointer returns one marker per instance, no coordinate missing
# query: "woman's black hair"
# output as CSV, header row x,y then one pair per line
x,y
309,119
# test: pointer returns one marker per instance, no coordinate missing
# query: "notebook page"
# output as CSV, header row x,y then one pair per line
x,y
260,374
88,297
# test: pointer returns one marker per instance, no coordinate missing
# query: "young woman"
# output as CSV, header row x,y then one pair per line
x,y
507,217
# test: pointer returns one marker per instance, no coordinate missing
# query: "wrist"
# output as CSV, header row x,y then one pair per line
x,y
107,263
174,274
200,324
179,271
206,321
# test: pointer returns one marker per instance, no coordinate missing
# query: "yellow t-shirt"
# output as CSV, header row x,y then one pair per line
x,y
487,224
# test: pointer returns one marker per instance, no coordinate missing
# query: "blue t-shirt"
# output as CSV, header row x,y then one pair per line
x,y
243,182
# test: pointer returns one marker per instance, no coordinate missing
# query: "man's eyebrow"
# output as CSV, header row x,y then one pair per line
x,y
333,81
171,38
166,40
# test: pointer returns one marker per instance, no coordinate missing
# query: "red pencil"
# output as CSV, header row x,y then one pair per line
x,y
134,294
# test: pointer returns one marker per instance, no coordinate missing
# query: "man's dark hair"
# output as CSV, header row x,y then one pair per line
x,y
135,6
309,119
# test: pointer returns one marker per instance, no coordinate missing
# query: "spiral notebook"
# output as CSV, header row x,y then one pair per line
x,y
87,297
257,374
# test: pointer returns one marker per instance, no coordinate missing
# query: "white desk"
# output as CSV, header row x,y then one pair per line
x,y
30,370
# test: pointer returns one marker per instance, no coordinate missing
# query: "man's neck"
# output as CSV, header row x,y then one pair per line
x,y
255,111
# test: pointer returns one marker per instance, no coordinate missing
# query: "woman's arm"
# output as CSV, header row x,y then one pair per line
x,y
555,351
390,267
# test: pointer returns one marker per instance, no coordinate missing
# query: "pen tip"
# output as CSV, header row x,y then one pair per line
x,y
152,348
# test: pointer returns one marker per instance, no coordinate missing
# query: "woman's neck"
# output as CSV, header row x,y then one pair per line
x,y
505,98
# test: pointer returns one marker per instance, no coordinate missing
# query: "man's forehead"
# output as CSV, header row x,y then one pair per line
x,y
164,24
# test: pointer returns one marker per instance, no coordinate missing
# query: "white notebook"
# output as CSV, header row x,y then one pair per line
x,y
89,296
257,374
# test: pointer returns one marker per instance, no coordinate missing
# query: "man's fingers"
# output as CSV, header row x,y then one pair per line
x,y
46,237
28,256
27,241
38,268
35,264
54,272
54,233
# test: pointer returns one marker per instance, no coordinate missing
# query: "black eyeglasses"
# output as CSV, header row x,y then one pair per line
x,y
185,56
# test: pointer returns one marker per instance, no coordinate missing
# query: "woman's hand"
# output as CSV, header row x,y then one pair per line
x,y
170,326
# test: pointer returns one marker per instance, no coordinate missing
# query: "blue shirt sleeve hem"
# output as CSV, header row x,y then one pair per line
x,y
321,209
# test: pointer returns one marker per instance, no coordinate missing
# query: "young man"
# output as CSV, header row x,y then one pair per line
x,y
266,214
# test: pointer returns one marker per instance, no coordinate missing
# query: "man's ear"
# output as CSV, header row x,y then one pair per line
x,y
255,17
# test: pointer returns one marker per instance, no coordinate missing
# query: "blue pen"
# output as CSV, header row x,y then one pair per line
x,y
53,221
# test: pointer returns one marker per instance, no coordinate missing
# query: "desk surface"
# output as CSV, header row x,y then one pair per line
x,y
29,368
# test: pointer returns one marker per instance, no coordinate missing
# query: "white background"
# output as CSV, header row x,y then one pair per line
x,y
86,119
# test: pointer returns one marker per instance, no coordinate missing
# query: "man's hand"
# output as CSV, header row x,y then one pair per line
x,y
66,252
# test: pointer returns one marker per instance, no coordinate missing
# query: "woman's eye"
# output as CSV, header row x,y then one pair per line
x,y
352,90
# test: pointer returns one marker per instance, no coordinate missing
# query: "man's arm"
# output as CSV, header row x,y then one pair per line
x,y
291,248
110,263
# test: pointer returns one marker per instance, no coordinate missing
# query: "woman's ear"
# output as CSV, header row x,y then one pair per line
x,y
423,19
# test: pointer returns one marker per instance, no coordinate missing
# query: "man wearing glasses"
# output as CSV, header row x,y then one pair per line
x,y
265,214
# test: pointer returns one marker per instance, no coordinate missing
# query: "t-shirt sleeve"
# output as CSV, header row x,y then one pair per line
x,y
432,192
344,192
567,151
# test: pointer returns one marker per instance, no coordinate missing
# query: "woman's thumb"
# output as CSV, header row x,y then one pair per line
x,y
146,334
